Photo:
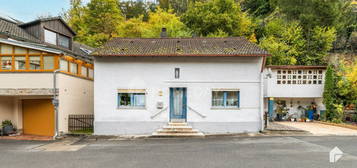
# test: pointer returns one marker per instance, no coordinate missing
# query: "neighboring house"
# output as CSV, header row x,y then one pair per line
x,y
29,55
296,88
214,84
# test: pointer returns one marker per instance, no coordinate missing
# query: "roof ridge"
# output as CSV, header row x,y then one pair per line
x,y
48,19
7,20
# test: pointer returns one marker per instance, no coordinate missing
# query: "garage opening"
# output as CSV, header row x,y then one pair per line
x,y
38,117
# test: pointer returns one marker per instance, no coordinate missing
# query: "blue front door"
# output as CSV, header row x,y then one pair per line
x,y
178,103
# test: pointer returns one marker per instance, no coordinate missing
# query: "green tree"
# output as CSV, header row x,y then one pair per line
x,y
329,94
102,19
258,8
284,41
165,19
209,17
75,19
319,43
133,27
319,13
134,9
157,20
347,82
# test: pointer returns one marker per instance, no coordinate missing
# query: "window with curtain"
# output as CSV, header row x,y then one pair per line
x,y
35,62
126,100
74,68
64,65
20,63
90,73
225,99
84,71
48,62
6,63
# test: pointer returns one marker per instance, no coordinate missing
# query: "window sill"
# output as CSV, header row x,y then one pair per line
x,y
131,108
225,108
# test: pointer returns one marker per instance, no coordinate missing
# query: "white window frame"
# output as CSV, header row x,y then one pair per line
x,y
50,37
225,100
131,91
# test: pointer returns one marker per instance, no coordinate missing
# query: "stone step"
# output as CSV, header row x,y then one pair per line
x,y
156,134
177,131
177,124
176,127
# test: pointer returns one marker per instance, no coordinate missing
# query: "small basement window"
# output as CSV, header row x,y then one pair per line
x,y
128,98
225,99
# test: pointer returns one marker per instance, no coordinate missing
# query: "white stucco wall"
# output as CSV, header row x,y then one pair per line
x,y
75,97
198,74
272,89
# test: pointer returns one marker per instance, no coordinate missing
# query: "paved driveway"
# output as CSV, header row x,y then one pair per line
x,y
318,129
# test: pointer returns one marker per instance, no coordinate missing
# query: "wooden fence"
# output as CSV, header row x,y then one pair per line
x,y
80,122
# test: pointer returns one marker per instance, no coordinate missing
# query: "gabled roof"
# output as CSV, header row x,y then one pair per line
x,y
48,19
229,46
12,30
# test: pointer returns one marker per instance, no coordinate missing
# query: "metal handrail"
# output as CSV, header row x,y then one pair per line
x,y
155,115
198,113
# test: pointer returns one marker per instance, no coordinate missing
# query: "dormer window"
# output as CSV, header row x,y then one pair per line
x,y
63,41
57,39
50,37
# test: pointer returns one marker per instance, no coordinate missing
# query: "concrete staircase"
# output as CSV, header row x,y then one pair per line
x,y
177,129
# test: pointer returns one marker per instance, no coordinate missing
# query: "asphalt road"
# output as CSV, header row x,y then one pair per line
x,y
260,152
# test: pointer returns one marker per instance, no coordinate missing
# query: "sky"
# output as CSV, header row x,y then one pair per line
x,y
28,10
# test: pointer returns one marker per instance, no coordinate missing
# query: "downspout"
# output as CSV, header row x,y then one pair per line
x,y
55,102
262,101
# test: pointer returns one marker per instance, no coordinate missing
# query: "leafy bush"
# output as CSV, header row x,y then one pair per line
x,y
354,118
6,123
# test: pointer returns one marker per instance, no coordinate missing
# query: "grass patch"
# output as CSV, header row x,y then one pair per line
x,y
86,131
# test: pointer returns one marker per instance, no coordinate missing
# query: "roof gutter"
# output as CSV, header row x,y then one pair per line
x,y
30,46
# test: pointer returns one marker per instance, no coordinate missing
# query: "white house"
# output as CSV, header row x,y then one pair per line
x,y
296,88
213,84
